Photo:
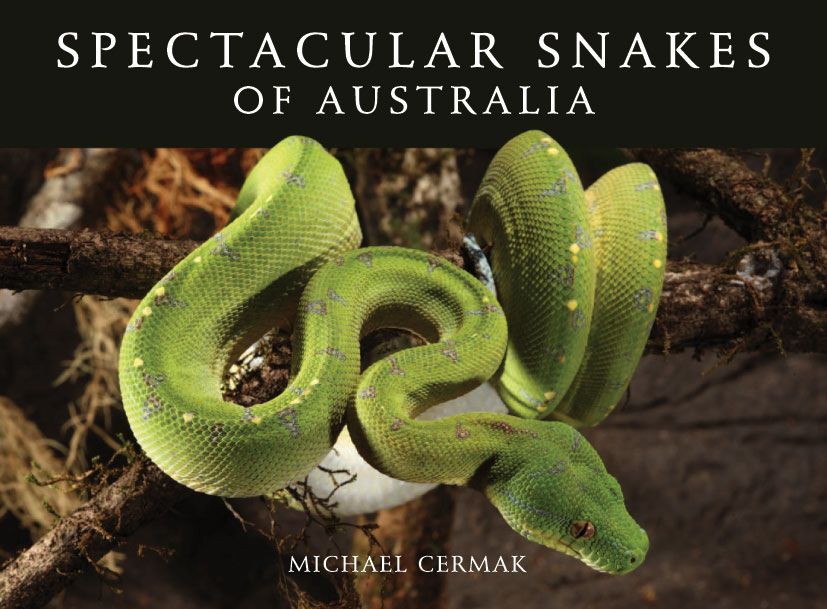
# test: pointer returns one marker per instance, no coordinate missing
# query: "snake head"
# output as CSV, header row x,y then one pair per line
x,y
564,499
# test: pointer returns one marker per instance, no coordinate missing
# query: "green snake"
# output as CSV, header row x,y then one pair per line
x,y
578,274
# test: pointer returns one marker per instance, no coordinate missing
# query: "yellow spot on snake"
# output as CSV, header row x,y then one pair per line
x,y
541,408
651,307
571,304
197,259
147,311
574,258
160,291
657,263
545,140
656,187
138,362
574,248
658,235
296,401
314,382
188,416
553,151
306,392
485,298
256,420
549,394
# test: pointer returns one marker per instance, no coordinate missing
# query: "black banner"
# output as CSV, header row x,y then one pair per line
x,y
408,75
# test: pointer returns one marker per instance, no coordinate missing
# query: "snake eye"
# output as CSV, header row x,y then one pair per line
x,y
582,529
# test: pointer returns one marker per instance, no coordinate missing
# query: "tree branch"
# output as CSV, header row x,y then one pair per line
x,y
758,307
781,299
138,496
703,306
751,204
107,264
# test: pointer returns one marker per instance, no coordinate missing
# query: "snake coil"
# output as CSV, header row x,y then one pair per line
x,y
578,276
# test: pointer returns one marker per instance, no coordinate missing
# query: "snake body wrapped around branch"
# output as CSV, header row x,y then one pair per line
x,y
573,314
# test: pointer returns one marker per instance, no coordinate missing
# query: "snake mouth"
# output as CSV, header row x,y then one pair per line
x,y
633,556
594,560
587,559
556,542
600,564
596,564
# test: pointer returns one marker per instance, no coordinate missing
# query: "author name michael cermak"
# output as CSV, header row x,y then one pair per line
x,y
393,564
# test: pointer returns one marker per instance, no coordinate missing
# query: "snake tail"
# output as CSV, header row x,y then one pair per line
x,y
629,224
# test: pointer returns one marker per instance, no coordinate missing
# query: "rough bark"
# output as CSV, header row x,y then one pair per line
x,y
106,264
758,299
752,205
779,298
748,308
78,180
95,528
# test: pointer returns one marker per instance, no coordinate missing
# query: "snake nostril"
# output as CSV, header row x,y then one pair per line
x,y
633,559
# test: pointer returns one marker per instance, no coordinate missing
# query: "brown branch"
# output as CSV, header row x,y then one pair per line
x,y
788,309
703,306
752,205
95,528
706,306
107,264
